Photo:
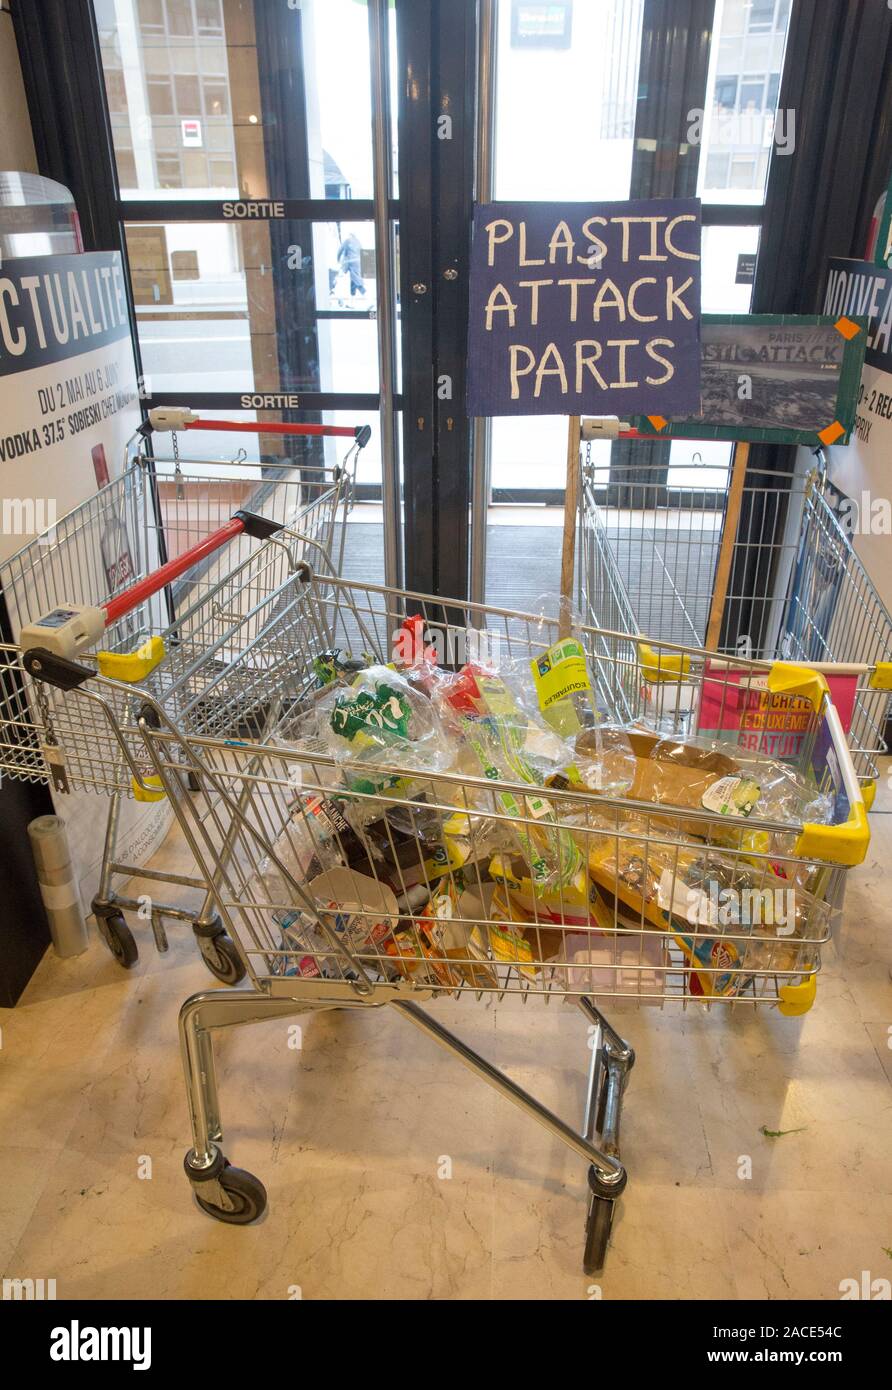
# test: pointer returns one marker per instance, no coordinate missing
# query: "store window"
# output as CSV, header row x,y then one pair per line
x,y
740,118
761,15
169,60
739,128
236,310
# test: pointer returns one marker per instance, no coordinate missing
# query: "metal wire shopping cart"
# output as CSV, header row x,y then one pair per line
x,y
392,885
169,577
755,563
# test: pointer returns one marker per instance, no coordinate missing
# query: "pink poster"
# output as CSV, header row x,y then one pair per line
x,y
737,706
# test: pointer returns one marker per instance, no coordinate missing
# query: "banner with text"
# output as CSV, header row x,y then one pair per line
x,y
585,308
68,405
68,390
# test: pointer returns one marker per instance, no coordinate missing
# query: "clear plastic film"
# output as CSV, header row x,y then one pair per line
x,y
723,780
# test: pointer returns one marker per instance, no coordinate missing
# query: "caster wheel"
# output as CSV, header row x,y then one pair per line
x,y
247,1194
221,958
119,939
597,1232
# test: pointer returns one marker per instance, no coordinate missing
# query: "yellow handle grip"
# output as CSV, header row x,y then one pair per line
x,y
132,666
662,666
797,999
837,844
150,789
881,676
785,678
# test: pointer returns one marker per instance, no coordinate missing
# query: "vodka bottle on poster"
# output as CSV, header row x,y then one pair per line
x,y
114,546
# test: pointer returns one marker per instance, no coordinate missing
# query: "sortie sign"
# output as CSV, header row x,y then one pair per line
x,y
585,308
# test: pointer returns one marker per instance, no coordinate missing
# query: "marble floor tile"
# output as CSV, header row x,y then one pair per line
x,y
395,1173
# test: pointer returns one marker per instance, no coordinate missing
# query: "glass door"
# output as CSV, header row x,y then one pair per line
x,y
741,124
564,128
253,148
610,100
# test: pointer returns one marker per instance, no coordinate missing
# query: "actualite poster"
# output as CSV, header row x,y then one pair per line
x,y
68,405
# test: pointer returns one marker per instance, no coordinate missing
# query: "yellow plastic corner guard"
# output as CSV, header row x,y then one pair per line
x,y
869,792
785,678
797,999
132,666
151,791
837,844
881,676
660,666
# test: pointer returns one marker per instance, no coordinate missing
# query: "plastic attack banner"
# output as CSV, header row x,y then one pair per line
x,y
585,308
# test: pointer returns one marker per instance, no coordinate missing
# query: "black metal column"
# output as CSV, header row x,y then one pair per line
x,y
453,113
675,41
416,138
281,76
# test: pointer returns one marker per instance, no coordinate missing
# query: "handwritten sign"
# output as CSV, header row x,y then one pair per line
x,y
585,308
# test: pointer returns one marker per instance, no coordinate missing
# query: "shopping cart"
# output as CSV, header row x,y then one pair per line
x,y
759,567
400,885
169,578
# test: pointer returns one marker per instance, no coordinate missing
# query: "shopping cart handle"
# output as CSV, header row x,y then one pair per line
x,y
55,670
173,418
259,528
66,631
238,524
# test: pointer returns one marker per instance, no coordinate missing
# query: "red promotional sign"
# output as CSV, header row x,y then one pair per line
x,y
738,706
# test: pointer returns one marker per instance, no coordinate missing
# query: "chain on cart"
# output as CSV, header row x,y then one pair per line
x,y
446,805
180,583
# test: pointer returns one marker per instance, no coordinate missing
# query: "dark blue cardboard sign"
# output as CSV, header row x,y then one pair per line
x,y
585,308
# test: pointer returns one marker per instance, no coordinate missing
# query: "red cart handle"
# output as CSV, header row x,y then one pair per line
x,y
361,433
181,418
241,522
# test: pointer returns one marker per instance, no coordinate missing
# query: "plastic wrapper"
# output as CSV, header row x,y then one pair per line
x,y
381,720
758,786
727,914
554,686
703,775
510,746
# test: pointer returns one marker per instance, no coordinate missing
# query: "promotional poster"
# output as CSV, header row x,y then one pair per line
x,y
68,405
67,386
774,379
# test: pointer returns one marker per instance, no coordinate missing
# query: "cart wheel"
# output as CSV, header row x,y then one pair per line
x,y
118,938
247,1193
597,1232
221,958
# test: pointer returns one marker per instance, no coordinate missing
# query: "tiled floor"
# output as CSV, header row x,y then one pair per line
x,y
354,1132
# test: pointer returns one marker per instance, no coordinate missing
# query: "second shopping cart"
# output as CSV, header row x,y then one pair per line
x,y
218,585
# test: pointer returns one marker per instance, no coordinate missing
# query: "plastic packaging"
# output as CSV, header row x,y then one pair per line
x,y
510,746
381,719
